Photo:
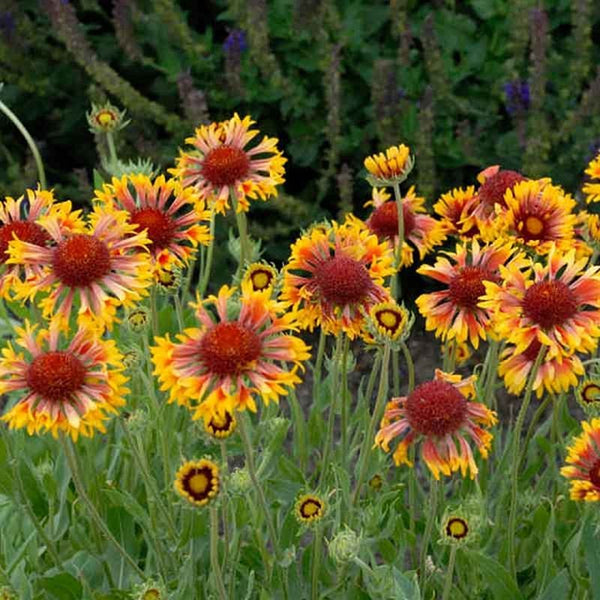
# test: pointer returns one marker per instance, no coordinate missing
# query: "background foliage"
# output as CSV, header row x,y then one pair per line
x,y
465,84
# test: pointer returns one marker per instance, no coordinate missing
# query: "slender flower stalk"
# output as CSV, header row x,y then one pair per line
x,y
432,505
32,146
398,197
512,517
363,460
449,573
206,267
73,463
214,553
316,562
410,366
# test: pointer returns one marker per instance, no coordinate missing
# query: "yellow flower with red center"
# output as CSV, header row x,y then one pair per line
x,y
589,227
171,214
220,425
198,481
390,168
420,229
456,210
441,415
309,509
555,304
583,460
555,374
387,322
103,267
68,386
226,362
538,214
334,275
259,277
454,313
14,224
588,395
225,162
592,190
495,182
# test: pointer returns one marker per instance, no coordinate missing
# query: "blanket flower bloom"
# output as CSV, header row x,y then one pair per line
x,y
390,168
15,224
171,214
555,374
556,304
198,481
335,274
68,387
456,208
103,267
453,313
441,415
494,184
592,190
227,362
583,460
224,161
539,214
420,229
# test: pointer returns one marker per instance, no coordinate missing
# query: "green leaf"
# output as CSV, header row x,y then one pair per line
x,y
591,548
558,588
61,587
98,180
500,583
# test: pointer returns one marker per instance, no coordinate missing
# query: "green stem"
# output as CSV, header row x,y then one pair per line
x,y
32,146
179,312
332,405
398,198
205,276
449,573
316,562
249,453
319,362
516,459
300,441
25,503
431,516
534,420
363,461
224,501
112,151
214,553
491,370
410,365
396,373
345,402
72,461
242,225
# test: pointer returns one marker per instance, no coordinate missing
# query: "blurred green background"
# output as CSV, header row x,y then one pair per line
x,y
465,84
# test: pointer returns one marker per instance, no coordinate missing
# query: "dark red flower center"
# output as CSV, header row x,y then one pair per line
x,y
436,408
227,348
55,376
595,474
590,392
532,227
225,165
199,483
159,226
493,188
80,260
549,303
466,287
343,280
383,222
26,231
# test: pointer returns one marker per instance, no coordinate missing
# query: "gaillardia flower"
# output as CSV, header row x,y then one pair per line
x,y
387,322
456,208
555,374
440,413
588,395
220,425
68,386
334,275
15,224
455,530
259,276
309,508
538,214
225,162
592,190
583,460
453,313
494,184
198,481
226,362
103,268
556,304
171,214
390,168
420,229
